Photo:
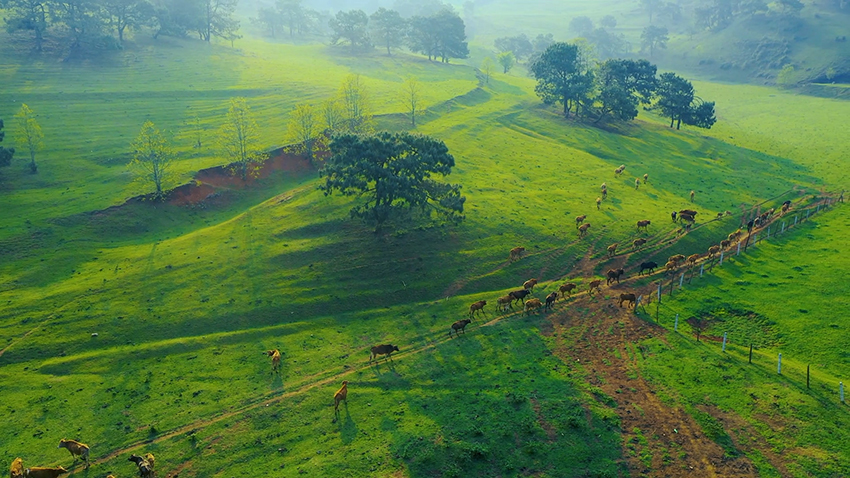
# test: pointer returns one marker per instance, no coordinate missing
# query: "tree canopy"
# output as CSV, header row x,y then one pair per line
x,y
395,174
28,134
352,27
152,159
676,99
562,76
654,37
623,84
388,28
442,35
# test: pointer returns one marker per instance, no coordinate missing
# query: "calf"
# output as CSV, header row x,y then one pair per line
x,y
550,300
39,472
529,284
612,249
145,468
638,243
459,326
580,219
650,266
341,395
614,275
504,302
637,183
630,298
275,355
594,284
17,468
476,307
673,215
76,449
643,224
387,350
566,288
532,304
582,230
645,178
519,295
516,253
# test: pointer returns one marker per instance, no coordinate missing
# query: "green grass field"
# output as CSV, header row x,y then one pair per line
x,y
185,300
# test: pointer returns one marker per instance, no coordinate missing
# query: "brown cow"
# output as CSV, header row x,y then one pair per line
x,y
619,170
275,355
612,249
643,224
505,301
583,229
645,178
516,253
627,298
689,212
725,243
713,250
529,284
614,275
145,467
341,395
39,472
383,350
580,219
550,300
599,201
734,235
686,218
568,288
532,304
692,259
639,242
595,284
459,326
476,307
17,468
677,258
76,449
670,266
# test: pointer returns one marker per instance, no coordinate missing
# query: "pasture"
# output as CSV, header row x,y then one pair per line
x,y
185,300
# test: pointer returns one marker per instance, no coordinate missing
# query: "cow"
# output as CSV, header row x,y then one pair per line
x,y
516,253
692,195
341,395
476,307
17,468
673,215
39,472
459,326
692,259
627,298
550,300
619,171
637,183
734,235
387,350
275,355
650,266
580,219
599,202
612,249
568,288
677,258
670,266
686,218
532,304
504,302
786,206
614,275
594,284
76,449
519,295
725,243
643,224
529,284
582,230
712,251
638,243
645,178
145,468
690,212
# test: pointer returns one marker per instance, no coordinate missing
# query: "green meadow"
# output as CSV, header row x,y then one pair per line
x,y
185,300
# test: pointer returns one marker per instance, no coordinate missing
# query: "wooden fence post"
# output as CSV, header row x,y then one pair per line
x,y
676,324
724,341
779,365
751,353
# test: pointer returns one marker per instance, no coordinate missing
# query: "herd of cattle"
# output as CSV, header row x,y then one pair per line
x,y
77,449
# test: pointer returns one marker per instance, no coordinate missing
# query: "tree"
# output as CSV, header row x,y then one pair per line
x,y
562,76
217,20
411,98
623,85
654,37
152,158
5,153
239,138
84,20
270,20
607,44
701,114
542,42
507,60
28,15
519,45
487,69
581,26
608,21
394,172
332,114
650,7
389,28
177,17
125,14
356,105
304,129
28,134
676,99
292,15
451,36
351,26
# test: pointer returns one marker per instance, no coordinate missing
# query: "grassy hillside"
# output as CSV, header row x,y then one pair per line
x,y
185,300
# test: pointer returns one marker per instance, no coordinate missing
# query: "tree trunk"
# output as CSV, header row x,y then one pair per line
x,y
566,107
121,33
672,119
678,123
33,167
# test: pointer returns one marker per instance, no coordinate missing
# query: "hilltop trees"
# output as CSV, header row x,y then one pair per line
x,y
352,27
676,99
654,37
28,134
442,35
217,20
5,153
623,84
562,77
389,28
124,14
239,138
28,15
152,159
394,172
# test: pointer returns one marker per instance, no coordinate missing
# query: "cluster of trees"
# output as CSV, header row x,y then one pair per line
x,y
27,135
99,23
606,42
519,49
717,14
615,88
440,35
290,17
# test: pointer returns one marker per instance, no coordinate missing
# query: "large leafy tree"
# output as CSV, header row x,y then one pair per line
x,y
124,14
5,153
676,99
519,45
152,159
623,85
84,19
28,134
304,130
29,15
507,60
654,37
351,26
562,76
442,35
394,173
217,20
239,138
388,28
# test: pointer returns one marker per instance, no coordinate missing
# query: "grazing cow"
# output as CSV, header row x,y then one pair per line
x,y
341,395
725,243
39,472
150,458
643,224
519,295
604,187
76,449
692,195
459,326
145,468
550,300
677,258
598,203
645,178
594,284
627,298
516,253
476,307
670,266
17,468
619,171
637,183
504,302
614,275
673,215
580,219
690,212
612,249
583,229
692,259
567,288
387,350
638,243
529,284
786,206
532,304
712,251
647,266
734,235
275,355
686,218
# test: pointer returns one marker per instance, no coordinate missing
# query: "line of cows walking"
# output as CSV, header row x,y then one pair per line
x,y
17,470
